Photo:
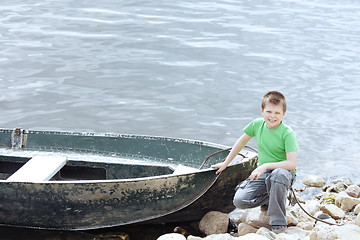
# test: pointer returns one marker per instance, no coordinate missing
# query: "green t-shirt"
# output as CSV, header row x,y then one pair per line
x,y
273,144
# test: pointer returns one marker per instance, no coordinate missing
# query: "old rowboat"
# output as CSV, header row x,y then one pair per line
x,y
78,181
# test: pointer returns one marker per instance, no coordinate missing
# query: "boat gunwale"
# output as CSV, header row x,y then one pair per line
x,y
171,175
121,135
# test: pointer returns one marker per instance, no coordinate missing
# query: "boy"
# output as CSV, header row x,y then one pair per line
x,y
268,184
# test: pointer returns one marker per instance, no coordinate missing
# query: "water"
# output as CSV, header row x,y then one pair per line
x,y
190,69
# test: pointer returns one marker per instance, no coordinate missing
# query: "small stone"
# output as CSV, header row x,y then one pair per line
x,y
336,188
269,235
357,209
322,215
262,230
308,226
357,220
223,236
214,223
284,236
250,236
244,229
326,222
296,231
191,237
345,202
313,181
291,220
300,215
323,232
313,206
353,191
345,180
333,210
329,199
347,231
256,218
172,236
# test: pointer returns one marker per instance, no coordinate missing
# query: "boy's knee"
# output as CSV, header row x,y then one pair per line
x,y
241,203
281,175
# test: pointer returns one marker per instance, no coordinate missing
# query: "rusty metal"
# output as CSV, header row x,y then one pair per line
x,y
18,138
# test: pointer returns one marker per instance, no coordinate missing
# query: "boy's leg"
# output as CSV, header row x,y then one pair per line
x,y
277,185
250,194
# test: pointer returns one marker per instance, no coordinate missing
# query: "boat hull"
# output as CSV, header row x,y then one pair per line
x,y
219,197
149,193
89,205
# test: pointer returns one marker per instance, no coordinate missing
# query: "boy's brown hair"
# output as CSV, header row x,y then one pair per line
x,y
275,98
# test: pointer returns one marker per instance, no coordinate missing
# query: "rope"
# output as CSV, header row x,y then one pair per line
x,y
317,219
292,190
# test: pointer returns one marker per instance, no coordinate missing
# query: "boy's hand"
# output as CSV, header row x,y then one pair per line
x,y
220,166
258,172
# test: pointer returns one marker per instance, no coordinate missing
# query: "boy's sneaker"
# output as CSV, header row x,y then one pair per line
x,y
278,228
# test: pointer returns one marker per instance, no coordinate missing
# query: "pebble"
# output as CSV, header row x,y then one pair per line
x,y
172,236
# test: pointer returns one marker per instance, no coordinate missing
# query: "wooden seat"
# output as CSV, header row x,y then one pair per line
x,y
38,168
181,169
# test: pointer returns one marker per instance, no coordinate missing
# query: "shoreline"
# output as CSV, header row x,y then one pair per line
x,y
336,202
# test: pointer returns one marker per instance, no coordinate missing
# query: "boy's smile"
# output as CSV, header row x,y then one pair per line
x,y
273,115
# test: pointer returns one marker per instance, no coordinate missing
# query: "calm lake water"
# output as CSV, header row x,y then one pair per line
x,y
189,69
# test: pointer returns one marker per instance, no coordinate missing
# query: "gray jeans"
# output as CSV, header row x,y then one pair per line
x,y
271,189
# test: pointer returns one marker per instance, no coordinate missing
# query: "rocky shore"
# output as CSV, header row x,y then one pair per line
x,y
336,202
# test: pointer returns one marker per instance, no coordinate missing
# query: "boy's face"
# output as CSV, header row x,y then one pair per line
x,y
273,115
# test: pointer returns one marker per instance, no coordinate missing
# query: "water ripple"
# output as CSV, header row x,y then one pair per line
x,y
193,69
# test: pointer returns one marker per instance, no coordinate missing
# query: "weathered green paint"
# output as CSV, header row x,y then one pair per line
x,y
128,193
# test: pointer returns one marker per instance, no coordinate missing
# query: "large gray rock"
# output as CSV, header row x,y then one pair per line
x,y
214,223
347,232
256,218
313,181
338,185
300,215
345,202
333,210
244,229
323,232
353,191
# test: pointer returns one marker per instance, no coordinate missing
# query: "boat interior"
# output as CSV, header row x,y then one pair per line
x,y
79,169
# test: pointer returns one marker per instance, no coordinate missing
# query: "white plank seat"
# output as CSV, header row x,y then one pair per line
x,y
181,169
38,168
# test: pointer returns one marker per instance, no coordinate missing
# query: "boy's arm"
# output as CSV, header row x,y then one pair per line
x,y
238,146
288,164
